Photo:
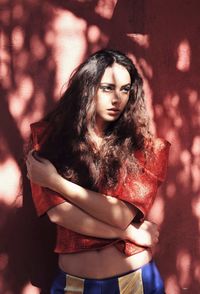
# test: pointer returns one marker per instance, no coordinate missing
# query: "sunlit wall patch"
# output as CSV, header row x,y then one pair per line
x,y
183,56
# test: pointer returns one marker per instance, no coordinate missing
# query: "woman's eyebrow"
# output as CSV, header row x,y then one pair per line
x,y
127,85
113,85
109,84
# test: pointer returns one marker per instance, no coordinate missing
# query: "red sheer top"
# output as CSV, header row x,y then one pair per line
x,y
138,190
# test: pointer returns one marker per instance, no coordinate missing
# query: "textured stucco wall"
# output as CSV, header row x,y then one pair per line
x,y
41,43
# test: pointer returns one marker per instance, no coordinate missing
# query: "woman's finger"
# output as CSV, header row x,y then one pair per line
x,y
28,164
36,156
29,156
33,157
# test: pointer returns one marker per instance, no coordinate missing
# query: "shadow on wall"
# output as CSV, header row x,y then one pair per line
x,y
168,60
29,69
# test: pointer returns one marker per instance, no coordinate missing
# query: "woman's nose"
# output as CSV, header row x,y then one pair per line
x,y
115,98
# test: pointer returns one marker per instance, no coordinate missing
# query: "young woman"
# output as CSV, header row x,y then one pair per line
x,y
95,170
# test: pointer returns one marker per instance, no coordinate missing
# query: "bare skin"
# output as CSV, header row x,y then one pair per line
x,y
99,215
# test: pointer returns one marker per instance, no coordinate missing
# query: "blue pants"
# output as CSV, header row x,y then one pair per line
x,y
145,280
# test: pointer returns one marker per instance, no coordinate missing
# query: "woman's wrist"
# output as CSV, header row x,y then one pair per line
x,y
54,182
62,186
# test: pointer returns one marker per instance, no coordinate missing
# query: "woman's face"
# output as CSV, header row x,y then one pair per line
x,y
112,94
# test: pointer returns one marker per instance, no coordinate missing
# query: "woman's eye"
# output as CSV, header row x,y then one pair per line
x,y
126,90
106,88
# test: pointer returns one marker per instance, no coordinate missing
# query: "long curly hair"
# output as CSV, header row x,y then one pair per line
x,y
69,145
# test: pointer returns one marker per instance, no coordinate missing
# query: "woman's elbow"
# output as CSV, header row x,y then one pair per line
x,y
53,215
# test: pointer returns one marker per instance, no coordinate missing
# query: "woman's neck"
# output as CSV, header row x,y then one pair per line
x,y
100,127
98,133
97,139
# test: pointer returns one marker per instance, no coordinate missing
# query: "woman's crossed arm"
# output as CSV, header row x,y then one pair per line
x,y
73,218
105,208
76,219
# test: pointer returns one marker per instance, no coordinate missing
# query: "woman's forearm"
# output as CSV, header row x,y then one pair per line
x,y
105,208
73,218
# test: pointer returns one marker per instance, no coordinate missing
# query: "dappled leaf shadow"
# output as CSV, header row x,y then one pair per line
x,y
171,27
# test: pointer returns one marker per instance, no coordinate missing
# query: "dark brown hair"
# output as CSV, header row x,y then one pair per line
x,y
70,147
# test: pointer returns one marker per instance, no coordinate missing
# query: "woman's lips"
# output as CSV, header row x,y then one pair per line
x,y
113,111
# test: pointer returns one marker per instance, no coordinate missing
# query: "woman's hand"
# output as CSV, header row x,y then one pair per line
x,y
40,171
145,234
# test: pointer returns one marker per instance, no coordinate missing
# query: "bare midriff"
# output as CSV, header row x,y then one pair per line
x,y
104,263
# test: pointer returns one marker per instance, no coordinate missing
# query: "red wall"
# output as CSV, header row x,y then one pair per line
x,y
41,43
